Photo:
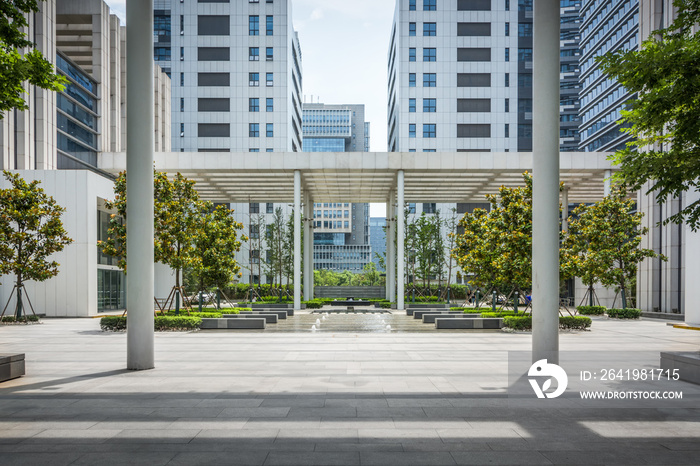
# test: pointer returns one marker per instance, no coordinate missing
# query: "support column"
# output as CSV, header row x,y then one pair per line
x,y
387,230
297,239
545,191
400,266
565,209
692,266
390,255
308,245
606,183
139,185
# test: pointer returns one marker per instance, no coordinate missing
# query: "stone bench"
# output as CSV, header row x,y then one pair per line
x,y
430,318
11,366
269,318
281,313
470,324
237,324
427,306
422,312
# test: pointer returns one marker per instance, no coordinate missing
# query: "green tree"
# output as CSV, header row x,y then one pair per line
x,y
371,276
17,68
449,245
30,231
473,250
216,245
613,235
665,118
275,234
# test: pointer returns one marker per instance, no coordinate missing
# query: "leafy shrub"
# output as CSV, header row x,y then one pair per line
x,y
113,323
574,322
591,310
203,314
385,305
24,319
501,313
176,323
518,322
313,304
629,313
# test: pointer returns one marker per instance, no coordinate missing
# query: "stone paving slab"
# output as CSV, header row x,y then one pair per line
x,y
334,396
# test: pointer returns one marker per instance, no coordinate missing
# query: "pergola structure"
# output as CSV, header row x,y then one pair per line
x,y
366,177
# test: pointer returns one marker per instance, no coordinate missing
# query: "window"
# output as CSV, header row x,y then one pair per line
x,y
473,80
253,25
474,54
412,130
507,81
429,5
253,79
213,130
269,207
254,231
269,25
254,130
429,105
524,80
253,104
429,54
429,130
411,5
506,130
507,29
213,79
524,105
473,29
269,54
411,79
182,53
182,130
182,104
270,130
161,53
429,29
269,104
254,149
507,56
429,80
473,131
412,105
524,29
507,106
411,150
269,149
411,29
269,79
524,5
524,54
213,25
473,5
412,54
253,208
524,131
182,79
253,53
507,5
213,54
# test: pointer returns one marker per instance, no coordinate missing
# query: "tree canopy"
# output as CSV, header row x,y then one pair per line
x,y
665,117
17,67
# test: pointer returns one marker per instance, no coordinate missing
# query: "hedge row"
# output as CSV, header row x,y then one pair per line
x,y
501,313
240,291
566,322
629,313
24,319
160,323
591,310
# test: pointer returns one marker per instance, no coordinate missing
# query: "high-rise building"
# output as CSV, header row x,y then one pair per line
x,y
570,86
377,238
341,230
605,27
237,86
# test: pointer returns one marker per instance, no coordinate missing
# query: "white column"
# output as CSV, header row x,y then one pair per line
x,y
400,266
391,250
308,245
606,183
691,290
565,209
386,239
139,167
545,192
297,239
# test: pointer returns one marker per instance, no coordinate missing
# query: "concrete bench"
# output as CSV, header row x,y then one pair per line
x,y
281,313
238,324
430,318
427,306
11,366
470,324
421,313
269,318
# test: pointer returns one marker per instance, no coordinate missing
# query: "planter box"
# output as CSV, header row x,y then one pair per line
x,y
11,366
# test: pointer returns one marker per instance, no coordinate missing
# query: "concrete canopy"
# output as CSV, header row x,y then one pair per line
x,y
370,176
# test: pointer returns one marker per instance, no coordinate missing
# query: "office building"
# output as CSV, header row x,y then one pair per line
x,y
377,239
341,229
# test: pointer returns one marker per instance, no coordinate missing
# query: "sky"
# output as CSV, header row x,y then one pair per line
x,y
344,45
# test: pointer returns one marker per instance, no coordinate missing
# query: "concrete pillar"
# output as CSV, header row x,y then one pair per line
x,y
545,191
308,245
391,248
400,265
606,183
565,209
297,239
139,185
691,263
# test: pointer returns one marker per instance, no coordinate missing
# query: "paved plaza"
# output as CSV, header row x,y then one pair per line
x,y
342,395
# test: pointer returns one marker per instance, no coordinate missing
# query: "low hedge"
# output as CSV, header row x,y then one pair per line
x,y
567,322
23,319
160,323
313,304
591,310
629,313
501,313
203,314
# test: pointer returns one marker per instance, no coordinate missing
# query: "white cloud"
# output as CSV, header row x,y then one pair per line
x,y
316,14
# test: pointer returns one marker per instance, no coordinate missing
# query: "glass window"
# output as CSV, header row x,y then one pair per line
x,y
507,81
507,56
524,5
411,29
411,5
411,79
429,5
507,29
269,207
525,54
429,54
269,27
429,80
269,79
253,149
254,79
429,29
429,130
269,149
269,54
412,105
182,79
412,54
412,130
429,105
253,208
524,29
270,130
253,104
270,104
254,130
253,25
